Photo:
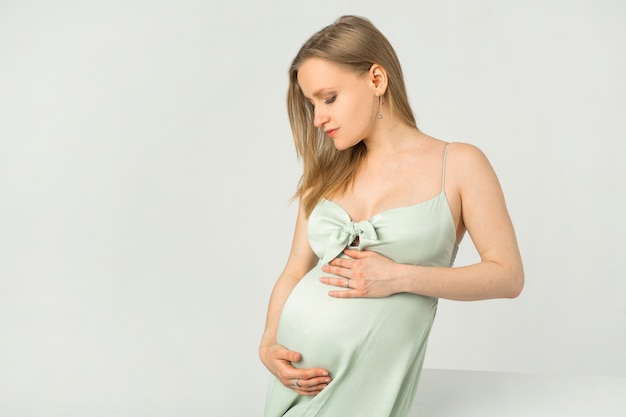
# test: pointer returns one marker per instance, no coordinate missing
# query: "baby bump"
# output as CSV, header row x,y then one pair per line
x,y
328,331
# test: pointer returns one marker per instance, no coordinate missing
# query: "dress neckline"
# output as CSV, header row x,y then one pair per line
x,y
408,207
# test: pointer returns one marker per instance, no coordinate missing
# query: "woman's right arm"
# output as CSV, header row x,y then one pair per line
x,y
276,358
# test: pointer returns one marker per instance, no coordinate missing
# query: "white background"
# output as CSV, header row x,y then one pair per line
x,y
146,166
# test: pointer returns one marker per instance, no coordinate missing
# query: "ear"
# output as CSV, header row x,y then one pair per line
x,y
378,77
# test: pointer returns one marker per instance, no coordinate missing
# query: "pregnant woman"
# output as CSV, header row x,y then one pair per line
x,y
382,210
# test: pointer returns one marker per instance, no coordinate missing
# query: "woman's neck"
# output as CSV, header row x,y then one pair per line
x,y
390,138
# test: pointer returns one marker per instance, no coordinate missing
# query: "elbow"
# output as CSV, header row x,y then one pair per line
x,y
516,283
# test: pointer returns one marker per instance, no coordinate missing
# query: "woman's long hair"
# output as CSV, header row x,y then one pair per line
x,y
355,44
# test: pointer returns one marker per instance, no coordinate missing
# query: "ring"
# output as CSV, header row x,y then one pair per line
x,y
347,282
296,383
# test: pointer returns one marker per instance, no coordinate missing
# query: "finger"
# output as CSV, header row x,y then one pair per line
x,y
286,354
315,383
337,270
345,294
310,373
309,381
307,393
337,282
342,262
354,253
290,374
294,356
312,385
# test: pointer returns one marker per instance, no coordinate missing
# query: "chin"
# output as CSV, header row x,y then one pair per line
x,y
342,146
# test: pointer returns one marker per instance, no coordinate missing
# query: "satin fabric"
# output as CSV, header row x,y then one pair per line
x,y
373,347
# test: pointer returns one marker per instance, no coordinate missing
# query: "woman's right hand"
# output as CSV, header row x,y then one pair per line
x,y
278,360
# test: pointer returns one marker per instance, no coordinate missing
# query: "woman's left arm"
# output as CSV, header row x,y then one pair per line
x,y
482,211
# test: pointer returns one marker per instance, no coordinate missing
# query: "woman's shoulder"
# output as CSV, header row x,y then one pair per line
x,y
460,154
467,167
465,155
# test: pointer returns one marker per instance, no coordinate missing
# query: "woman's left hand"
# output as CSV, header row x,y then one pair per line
x,y
363,274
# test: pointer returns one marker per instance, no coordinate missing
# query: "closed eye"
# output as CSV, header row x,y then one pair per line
x,y
330,100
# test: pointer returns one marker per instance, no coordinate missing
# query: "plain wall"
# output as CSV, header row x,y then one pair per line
x,y
146,166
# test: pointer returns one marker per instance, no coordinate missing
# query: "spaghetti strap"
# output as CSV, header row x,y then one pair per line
x,y
443,169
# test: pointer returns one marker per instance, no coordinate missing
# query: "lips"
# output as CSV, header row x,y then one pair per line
x,y
332,132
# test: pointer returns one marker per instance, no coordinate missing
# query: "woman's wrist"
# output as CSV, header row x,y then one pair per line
x,y
267,340
264,349
406,277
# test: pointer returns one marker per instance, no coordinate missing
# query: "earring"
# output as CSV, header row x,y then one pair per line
x,y
380,105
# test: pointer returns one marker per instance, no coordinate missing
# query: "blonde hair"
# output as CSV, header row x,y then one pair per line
x,y
355,44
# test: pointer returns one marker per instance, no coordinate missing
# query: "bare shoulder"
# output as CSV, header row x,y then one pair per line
x,y
469,173
460,155
466,162
466,155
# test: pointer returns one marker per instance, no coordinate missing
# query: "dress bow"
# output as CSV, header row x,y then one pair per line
x,y
345,235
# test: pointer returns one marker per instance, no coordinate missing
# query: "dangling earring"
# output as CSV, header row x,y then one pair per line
x,y
380,105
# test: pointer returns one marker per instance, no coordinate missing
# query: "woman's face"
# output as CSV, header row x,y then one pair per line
x,y
345,103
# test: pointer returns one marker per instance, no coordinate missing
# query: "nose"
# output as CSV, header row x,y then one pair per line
x,y
319,118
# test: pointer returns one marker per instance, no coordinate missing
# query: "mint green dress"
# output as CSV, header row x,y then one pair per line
x,y
373,347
